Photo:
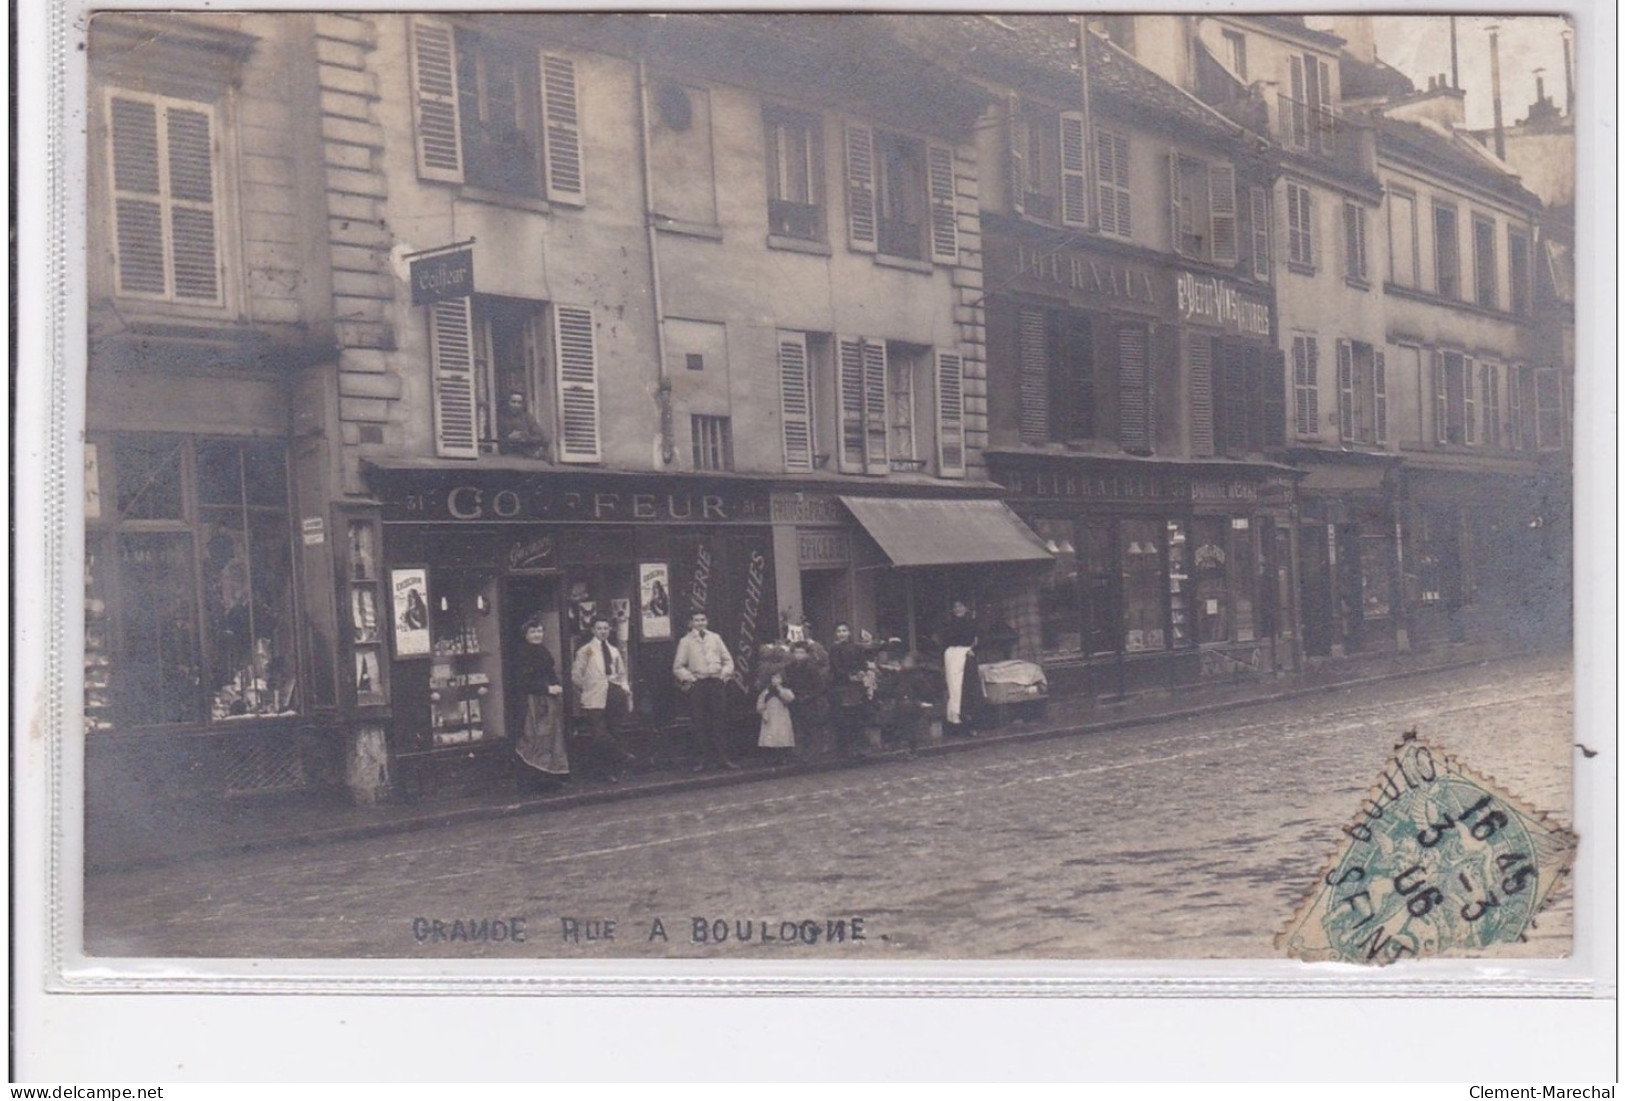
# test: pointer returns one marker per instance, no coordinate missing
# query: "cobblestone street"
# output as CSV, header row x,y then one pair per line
x,y
1195,838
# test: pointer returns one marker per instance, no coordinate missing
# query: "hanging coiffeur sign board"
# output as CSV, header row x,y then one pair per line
x,y
409,609
442,275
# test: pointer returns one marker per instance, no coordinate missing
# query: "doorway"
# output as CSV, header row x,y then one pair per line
x,y
525,595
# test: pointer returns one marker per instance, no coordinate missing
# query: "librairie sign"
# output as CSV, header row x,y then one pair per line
x,y
442,276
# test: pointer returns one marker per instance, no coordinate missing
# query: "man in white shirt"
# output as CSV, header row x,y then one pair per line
x,y
603,693
702,667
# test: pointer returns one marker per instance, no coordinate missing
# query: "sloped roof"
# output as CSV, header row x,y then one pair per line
x,y
1447,156
1361,80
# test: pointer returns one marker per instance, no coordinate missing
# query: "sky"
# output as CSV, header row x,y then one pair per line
x,y
1418,45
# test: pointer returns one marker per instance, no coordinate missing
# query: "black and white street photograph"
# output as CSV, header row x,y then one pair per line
x,y
846,488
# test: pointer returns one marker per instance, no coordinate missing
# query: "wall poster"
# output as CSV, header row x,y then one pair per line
x,y
654,598
409,597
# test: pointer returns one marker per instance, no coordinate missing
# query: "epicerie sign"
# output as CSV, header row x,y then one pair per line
x,y
1204,298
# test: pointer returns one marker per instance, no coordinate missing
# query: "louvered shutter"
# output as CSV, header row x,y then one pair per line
x,y
1233,393
1441,401
1200,367
1016,136
451,351
1274,399
1261,232
1074,171
876,456
1176,204
849,380
434,102
138,197
1133,389
795,401
1221,189
1112,176
950,415
860,189
1469,406
939,170
1314,385
1515,406
1032,354
164,199
1345,391
195,261
1323,108
1379,391
561,120
576,356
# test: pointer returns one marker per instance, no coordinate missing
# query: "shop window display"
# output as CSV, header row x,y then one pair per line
x,y
1143,580
1060,593
1210,577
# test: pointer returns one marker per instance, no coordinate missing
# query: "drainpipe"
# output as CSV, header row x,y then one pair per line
x,y
668,447
1092,203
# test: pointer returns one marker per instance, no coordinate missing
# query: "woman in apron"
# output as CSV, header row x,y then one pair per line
x,y
543,761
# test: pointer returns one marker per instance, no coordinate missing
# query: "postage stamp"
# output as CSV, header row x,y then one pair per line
x,y
1439,861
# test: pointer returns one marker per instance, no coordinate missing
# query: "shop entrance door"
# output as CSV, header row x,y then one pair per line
x,y
826,599
523,596
1315,591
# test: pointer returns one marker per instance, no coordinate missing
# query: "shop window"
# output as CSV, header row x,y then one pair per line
x,y
1306,385
1354,262
900,196
1060,592
163,158
1300,226
495,114
1209,564
1204,209
1446,252
1376,575
1362,393
202,630
1518,271
1244,580
1144,584
1484,269
713,442
1402,238
795,171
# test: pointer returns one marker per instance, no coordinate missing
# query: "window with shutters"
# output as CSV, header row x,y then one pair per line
x,y
1485,291
496,114
1048,169
1402,239
1362,385
163,156
1453,399
795,171
1489,391
1518,271
1300,227
713,442
1308,121
1446,252
1060,379
1306,386
1112,177
1354,252
901,196
1259,215
1249,397
1204,209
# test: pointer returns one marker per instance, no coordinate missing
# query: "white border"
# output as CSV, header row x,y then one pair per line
x,y
1119,1020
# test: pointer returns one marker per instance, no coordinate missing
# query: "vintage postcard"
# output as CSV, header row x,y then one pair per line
x,y
848,489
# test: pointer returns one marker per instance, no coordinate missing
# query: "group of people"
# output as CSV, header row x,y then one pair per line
x,y
812,701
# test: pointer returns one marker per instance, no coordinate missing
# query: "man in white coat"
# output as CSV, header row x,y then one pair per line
x,y
603,693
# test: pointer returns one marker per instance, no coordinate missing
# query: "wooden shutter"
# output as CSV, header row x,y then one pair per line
x,y
1033,365
1199,360
939,172
1441,401
861,235
1016,153
795,402
1323,108
576,356
1133,389
1221,189
1273,398
1345,390
451,351
849,381
164,199
1297,127
1176,204
1379,393
1233,395
138,213
561,121
1260,200
876,458
1515,406
1074,171
194,258
1112,175
1469,412
434,102
950,415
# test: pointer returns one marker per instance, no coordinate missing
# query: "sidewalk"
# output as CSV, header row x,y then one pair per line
x,y
256,826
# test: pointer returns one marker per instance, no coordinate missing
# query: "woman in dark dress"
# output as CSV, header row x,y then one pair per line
x,y
959,668
847,663
540,747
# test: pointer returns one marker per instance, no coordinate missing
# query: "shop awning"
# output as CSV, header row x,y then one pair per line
x,y
946,533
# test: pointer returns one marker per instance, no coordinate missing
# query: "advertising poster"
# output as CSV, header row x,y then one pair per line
x,y
409,593
654,598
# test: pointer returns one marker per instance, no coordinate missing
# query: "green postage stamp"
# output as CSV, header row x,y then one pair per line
x,y
1439,861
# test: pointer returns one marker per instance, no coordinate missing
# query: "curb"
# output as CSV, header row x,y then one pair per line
x,y
627,792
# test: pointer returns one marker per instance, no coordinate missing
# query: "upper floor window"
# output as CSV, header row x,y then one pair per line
x,y
1204,208
1455,404
1237,395
1115,192
1048,170
1235,53
1402,238
1306,114
1306,386
1362,385
1518,270
1446,252
901,196
1484,283
1354,261
163,154
495,114
713,442
1080,377
795,170
1300,226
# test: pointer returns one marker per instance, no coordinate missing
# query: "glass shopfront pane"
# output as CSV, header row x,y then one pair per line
x,y
1097,572
1210,577
1375,576
155,673
148,474
1244,577
1180,591
1144,585
1060,592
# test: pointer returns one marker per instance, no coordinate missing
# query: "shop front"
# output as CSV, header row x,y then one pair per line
x,y
1164,573
1350,559
460,561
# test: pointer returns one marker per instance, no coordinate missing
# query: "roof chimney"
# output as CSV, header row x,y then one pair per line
x,y
1568,76
1495,89
1455,73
